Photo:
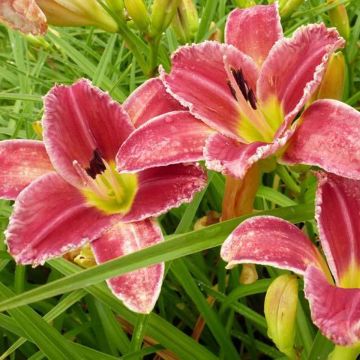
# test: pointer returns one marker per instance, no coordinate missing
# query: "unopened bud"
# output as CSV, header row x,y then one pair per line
x,y
162,13
38,130
186,21
332,84
244,3
287,7
116,5
339,18
138,13
85,258
280,312
248,274
77,13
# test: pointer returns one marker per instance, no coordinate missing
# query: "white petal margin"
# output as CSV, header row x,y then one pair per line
x,y
139,289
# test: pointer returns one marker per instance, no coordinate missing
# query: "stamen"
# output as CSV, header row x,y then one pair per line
x,y
241,82
252,99
96,166
232,90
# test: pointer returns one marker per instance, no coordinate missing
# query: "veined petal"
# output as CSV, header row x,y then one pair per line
x,y
335,311
254,30
140,289
171,138
199,81
23,15
295,66
163,188
231,157
334,128
78,120
21,162
268,240
337,215
50,218
148,101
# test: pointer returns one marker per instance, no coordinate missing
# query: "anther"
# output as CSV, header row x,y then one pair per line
x,y
252,99
232,90
96,166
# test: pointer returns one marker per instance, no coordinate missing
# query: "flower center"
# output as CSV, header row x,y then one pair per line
x,y
106,189
259,122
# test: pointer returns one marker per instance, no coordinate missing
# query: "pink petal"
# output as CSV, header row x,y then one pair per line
x,y
78,120
163,188
50,218
199,81
328,137
168,139
335,311
268,240
23,15
254,30
21,162
337,214
140,289
231,157
148,101
294,67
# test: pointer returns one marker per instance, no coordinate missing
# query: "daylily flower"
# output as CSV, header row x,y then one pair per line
x,y
32,16
334,295
246,95
69,192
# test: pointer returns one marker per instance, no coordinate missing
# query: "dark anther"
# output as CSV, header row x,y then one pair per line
x,y
252,99
96,166
232,90
244,87
239,78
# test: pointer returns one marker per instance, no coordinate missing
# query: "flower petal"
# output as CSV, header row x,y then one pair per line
x,y
50,218
337,214
163,188
148,101
140,289
254,30
234,158
334,128
23,15
78,120
21,162
271,241
294,67
199,81
168,139
335,311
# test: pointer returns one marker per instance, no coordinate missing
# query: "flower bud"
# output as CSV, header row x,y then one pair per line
x,y
38,130
77,13
186,21
280,312
162,13
138,13
339,18
287,7
85,258
244,3
116,5
332,84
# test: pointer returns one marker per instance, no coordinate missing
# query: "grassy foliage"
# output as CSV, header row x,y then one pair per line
x,y
61,311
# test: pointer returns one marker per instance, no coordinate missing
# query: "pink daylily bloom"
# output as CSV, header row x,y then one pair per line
x,y
334,295
68,190
245,96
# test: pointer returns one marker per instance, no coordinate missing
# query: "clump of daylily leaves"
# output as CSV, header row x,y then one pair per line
x,y
103,171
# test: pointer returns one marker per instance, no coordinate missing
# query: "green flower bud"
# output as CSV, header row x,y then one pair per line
x,y
117,6
339,18
186,21
77,13
280,312
138,13
244,3
163,11
332,84
287,7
